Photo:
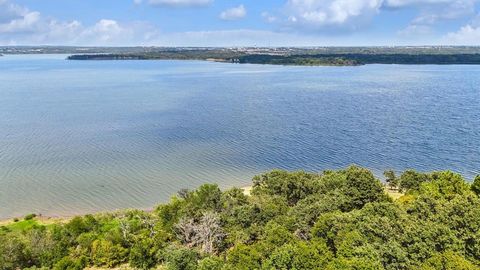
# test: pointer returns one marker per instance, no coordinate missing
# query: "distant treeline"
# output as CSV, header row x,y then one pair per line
x,y
362,59
344,59
331,220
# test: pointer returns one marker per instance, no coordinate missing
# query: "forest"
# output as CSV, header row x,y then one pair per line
x,y
321,56
336,219
347,59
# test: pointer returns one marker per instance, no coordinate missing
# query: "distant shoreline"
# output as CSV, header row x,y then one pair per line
x,y
335,59
285,56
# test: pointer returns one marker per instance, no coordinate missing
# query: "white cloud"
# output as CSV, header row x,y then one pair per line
x,y
137,2
318,14
436,11
234,13
26,23
414,31
20,26
405,3
445,11
10,11
15,18
334,15
105,31
180,3
466,35
269,17
38,29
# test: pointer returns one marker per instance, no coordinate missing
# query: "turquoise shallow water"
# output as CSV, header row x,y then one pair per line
x,y
78,137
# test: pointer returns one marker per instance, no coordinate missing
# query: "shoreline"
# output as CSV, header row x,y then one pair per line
x,y
50,219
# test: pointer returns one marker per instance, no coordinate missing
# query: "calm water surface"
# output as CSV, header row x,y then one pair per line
x,y
86,136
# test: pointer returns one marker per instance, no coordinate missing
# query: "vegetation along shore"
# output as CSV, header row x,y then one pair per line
x,y
289,220
298,56
305,60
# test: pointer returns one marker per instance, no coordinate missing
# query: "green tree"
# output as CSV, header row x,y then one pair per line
x,y
292,186
207,197
307,211
299,255
331,226
41,245
391,179
411,180
143,253
354,263
68,263
476,185
180,258
445,184
211,263
105,253
361,188
169,214
13,253
448,261
244,257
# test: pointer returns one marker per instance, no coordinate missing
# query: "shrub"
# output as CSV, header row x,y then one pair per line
x,y
30,216
105,253
181,258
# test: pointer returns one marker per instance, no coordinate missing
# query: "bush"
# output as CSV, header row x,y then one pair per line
x,y
361,188
143,254
30,216
411,180
476,185
68,263
210,263
105,253
181,258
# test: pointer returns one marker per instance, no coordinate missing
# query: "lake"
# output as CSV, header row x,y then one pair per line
x,y
87,136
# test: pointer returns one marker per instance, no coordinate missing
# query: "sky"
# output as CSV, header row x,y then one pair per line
x,y
228,23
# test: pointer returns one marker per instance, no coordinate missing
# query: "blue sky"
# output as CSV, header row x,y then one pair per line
x,y
239,22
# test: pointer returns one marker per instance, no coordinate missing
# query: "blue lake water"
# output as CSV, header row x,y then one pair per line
x,y
85,136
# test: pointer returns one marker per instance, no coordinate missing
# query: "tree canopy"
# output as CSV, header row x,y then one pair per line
x,y
340,219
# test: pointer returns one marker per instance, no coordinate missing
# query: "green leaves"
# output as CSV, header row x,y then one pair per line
x,y
331,220
411,180
291,186
476,185
361,188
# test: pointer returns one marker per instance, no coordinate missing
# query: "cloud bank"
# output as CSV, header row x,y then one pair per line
x,y
19,25
327,13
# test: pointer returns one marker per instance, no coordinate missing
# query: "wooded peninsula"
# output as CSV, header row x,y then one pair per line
x,y
298,56
327,56
336,219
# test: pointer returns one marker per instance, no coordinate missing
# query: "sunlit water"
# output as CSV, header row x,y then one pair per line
x,y
86,136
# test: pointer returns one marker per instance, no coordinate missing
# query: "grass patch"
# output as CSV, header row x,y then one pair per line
x,y
395,195
22,225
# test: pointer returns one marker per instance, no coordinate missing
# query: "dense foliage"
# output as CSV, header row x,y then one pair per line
x,y
333,220
300,58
